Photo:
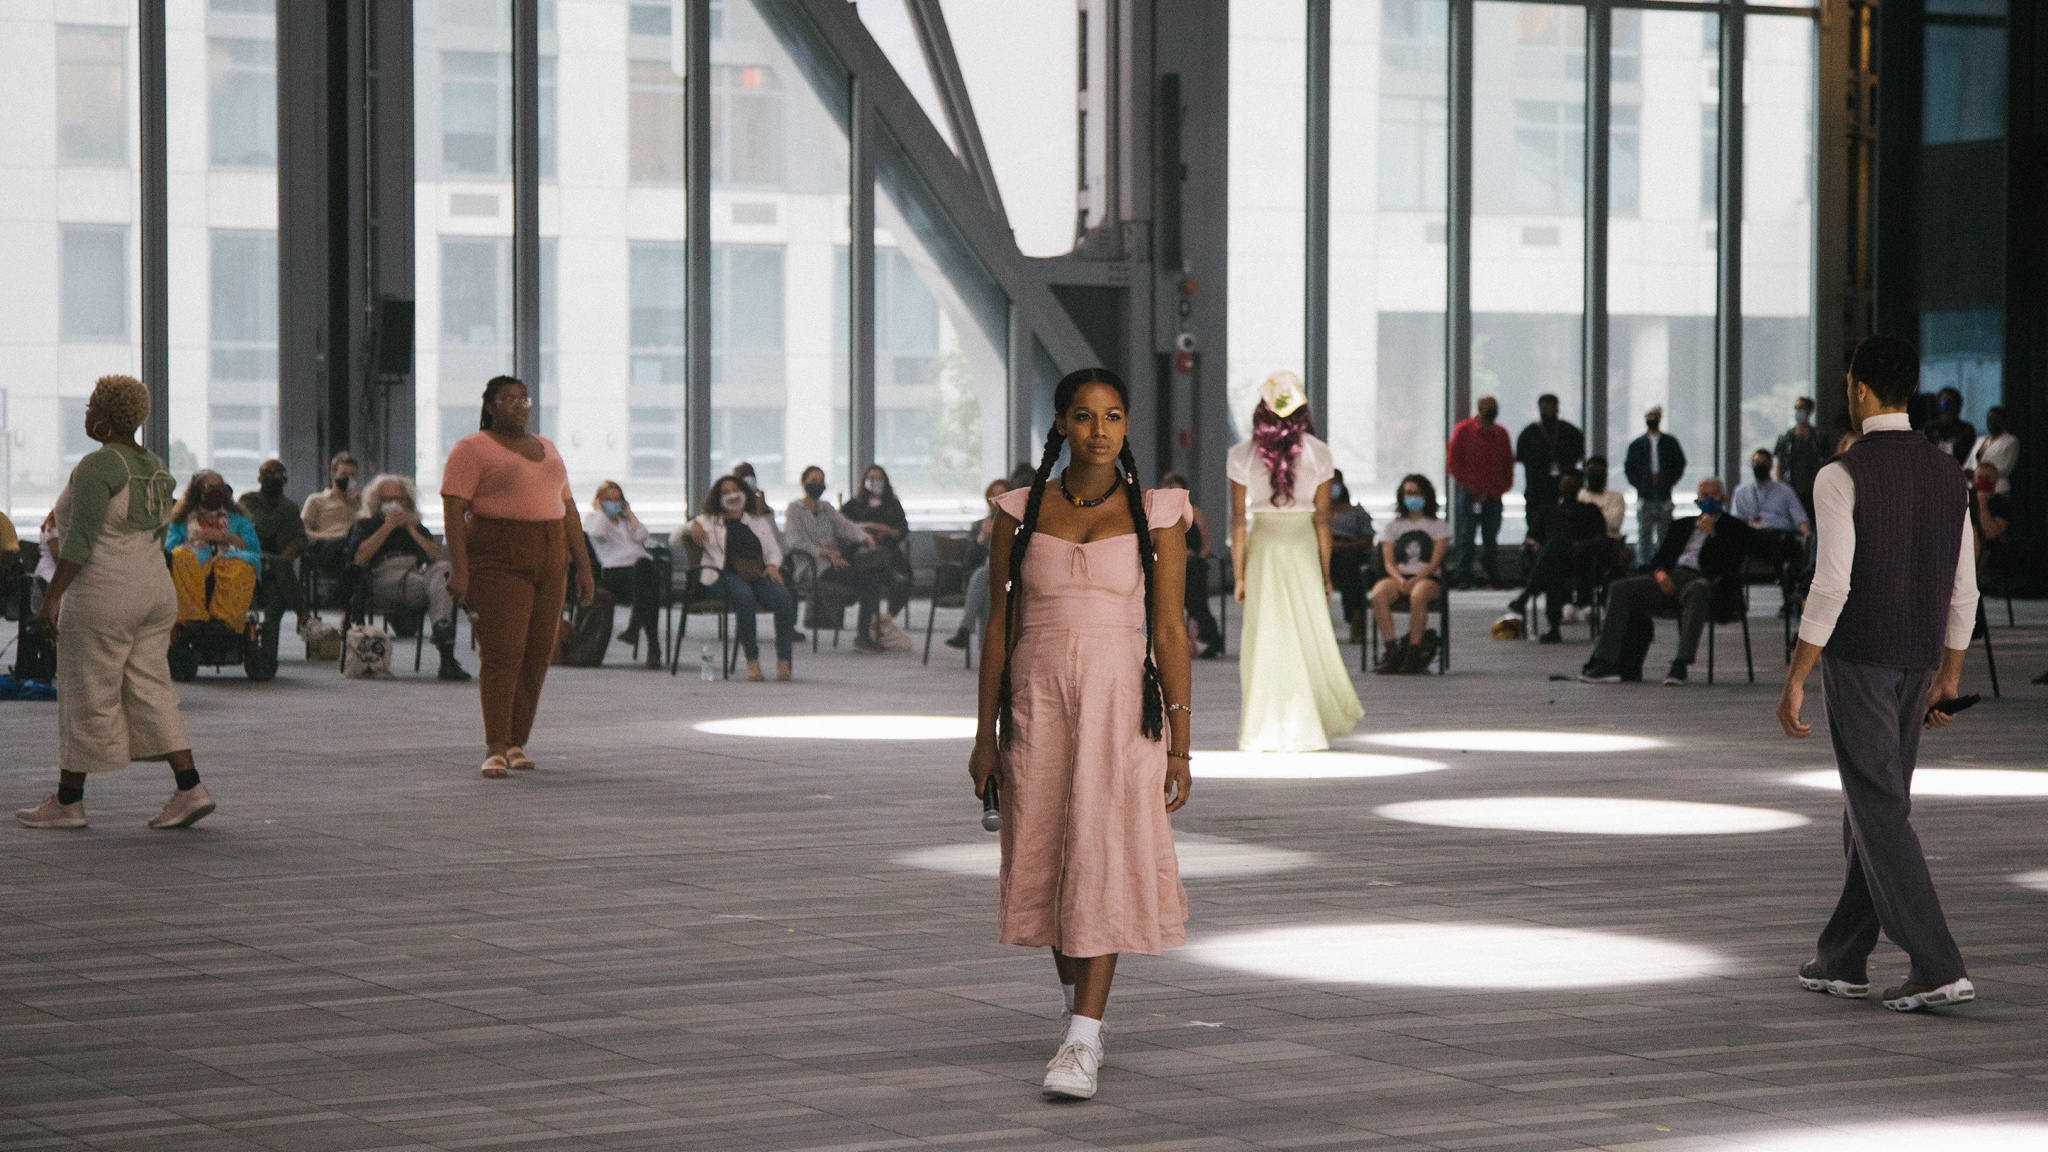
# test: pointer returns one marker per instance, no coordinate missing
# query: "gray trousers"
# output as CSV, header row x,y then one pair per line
x,y
1639,595
399,582
1874,717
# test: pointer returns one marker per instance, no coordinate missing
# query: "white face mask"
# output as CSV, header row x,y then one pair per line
x,y
393,507
733,501
876,485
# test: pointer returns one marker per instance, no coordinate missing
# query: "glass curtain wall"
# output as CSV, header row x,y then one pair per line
x,y
1268,187
1020,61
1388,167
69,224
1777,226
1664,153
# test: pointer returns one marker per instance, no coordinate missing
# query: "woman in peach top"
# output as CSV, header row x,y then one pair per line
x,y
513,539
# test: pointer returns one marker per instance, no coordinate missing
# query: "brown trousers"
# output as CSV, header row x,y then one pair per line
x,y
518,577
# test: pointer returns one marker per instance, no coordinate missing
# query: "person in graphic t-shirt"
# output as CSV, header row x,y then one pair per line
x,y
1413,551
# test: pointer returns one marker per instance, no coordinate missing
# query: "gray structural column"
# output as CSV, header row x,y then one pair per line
x,y
861,128
697,247
156,315
1316,251
1593,358
1458,219
1728,296
526,302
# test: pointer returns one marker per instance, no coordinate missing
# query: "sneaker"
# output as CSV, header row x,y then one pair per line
x,y
185,808
1815,978
1912,996
863,643
1553,636
1600,672
51,814
1071,1073
1674,677
957,640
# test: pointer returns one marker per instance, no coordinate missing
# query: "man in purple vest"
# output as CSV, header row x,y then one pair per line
x,y
1889,617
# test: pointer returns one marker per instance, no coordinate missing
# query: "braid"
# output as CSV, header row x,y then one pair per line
x,y
1152,717
1014,587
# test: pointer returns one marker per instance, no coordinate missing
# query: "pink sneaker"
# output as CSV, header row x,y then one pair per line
x,y
185,809
51,814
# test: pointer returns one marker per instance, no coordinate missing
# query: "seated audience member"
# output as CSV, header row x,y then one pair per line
x,y
629,573
403,564
1990,511
1696,552
1613,505
283,537
974,606
879,513
330,514
816,528
1350,553
742,556
1195,593
1783,526
1412,552
1573,549
1997,447
757,500
215,554
10,553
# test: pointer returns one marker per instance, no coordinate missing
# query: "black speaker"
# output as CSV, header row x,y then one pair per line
x,y
394,337
1172,173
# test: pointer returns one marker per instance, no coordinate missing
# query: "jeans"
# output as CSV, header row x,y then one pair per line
x,y
1653,518
1479,514
749,598
974,611
1639,595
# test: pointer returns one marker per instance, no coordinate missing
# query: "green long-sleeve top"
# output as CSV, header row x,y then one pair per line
x,y
96,481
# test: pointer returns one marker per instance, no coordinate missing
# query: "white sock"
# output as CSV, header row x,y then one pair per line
x,y
1067,990
1083,1030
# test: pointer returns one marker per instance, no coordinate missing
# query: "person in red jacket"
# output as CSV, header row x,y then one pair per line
x,y
1481,461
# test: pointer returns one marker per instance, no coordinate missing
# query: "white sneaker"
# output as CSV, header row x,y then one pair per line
x,y
1071,1073
185,809
51,814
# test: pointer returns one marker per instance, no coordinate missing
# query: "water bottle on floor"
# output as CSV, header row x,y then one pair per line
x,y
704,666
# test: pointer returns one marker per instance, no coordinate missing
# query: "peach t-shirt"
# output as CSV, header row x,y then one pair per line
x,y
500,484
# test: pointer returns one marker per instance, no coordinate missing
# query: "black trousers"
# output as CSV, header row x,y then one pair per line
x,y
1874,716
1347,574
1558,572
639,586
1195,600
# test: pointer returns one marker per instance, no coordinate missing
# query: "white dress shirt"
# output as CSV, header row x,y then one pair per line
x,y
1834,515
2001,451
619,543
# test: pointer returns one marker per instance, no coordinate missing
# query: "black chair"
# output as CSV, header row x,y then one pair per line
x,y
1226,590
824,599
2005,559
1740,615
688,594
949,585
1983,632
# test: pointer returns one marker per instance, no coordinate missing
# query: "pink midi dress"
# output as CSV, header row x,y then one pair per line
x,y
1088,862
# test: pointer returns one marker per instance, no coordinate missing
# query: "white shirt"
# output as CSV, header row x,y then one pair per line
x,y
2001,451
714,543
1611,504
620,544
1312,466
1834,522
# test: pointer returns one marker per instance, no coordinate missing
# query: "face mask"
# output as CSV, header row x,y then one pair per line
x,y
876,485
733,501
1801,416
393,507
1709,506
1651,424
1414,503
1949,407
342,482
1985,484
1763,474
214,499
271,485
814,489
1338,494
613,507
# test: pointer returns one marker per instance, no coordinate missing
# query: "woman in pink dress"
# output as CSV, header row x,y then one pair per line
x,y
1084,720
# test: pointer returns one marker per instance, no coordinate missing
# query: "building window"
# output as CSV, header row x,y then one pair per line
x,y
746,315
1625,160
242,102
476,291
95,283
1413,160
746,125
1550,141
92,95
73,444
1710,161
244,436
651,20
259,7
655,120
1965,85
244,305
660,322
475,92
655,448
1414,35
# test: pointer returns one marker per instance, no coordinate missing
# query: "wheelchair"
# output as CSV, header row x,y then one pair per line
x,y
215,644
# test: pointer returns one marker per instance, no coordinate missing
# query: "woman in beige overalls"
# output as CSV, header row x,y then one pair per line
x,y
112,607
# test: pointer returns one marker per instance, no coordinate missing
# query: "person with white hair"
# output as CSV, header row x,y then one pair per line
x,y
1297,692
111,607
403,563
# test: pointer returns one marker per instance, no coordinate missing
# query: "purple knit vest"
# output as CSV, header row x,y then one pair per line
x,y
1911,500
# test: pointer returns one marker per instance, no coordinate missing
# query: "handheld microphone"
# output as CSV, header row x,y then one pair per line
x,y
991,807
1960,703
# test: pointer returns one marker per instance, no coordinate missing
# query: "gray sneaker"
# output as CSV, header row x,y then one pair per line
x,y
51,814
185,809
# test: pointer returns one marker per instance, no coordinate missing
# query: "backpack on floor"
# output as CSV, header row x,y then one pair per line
x,y
366,653
587,632
1635,646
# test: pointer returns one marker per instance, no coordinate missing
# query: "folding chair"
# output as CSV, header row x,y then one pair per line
x,y
949,585
693,597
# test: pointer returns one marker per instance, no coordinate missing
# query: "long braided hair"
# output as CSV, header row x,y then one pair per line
x,y
1152,715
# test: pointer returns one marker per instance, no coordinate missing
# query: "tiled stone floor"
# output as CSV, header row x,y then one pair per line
x,y
669,940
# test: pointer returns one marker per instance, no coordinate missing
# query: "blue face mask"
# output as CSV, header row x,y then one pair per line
x,y
613,507
1414,503
1709,506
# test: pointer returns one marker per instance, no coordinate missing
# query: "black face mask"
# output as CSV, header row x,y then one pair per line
x,y
1651,425
271,485
341,482
1763,475
814,489
1339,495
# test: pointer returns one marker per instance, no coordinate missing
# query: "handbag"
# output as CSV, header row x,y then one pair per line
x,y
366,653
749,568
